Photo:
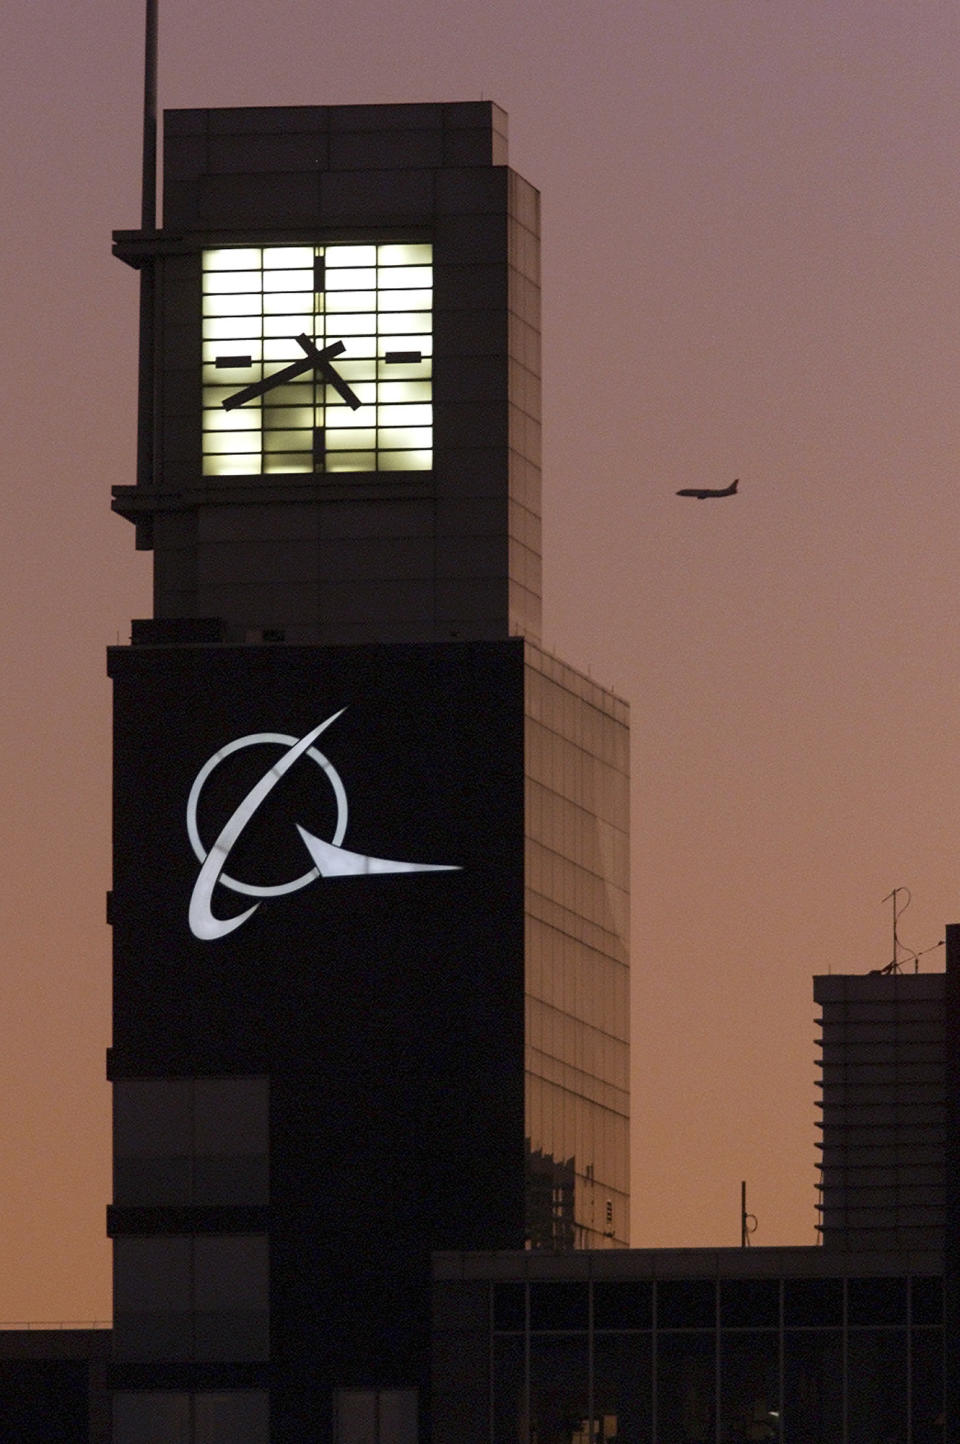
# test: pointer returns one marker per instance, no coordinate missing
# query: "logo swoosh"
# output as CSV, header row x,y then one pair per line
x,y
331,861
203,924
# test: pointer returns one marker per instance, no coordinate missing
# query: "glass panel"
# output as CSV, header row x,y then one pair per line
x,y
351,278
153,1182
509,1307
558,1387
350,255
219,305
237,1417
152,1117
279,280
406,276
686,1304
288,257
749,1386
749,1303
876,1386
623,1387
354,1416
686,1388
398,1416
231,1272
813,1387
406,460
406,436
509,1421
348,301
231,259
151,1418
817,1303
876,1301
151,1274
622,1305
926,1353
926,1303
405,255
558,1306
405,300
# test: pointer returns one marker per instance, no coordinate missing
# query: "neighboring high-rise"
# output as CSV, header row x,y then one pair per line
x,y
883,1110
371,842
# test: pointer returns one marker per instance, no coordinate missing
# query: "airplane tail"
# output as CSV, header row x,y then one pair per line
x,y
734,487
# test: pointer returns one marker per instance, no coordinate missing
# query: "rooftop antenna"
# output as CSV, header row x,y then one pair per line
x,y
748,1221
898,910
148,223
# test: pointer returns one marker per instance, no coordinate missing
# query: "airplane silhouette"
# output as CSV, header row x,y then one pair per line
x,y
702,492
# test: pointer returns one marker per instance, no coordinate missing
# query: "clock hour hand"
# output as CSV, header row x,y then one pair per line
x,y
315,360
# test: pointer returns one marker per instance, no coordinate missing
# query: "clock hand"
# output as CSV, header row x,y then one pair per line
x,y
315,360
330,375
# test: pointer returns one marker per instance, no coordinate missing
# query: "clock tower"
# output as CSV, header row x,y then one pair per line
x,y
369,904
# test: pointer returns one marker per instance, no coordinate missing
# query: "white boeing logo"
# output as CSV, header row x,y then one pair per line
x,y
329,858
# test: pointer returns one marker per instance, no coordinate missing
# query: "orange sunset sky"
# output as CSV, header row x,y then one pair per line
x,y
751,223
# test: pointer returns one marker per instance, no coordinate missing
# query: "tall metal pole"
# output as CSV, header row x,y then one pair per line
x,y
952,1171
148,209
148,222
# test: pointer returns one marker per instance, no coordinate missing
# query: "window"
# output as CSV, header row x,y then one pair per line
x,y
375,1416
191,1141
239,1416
183,1298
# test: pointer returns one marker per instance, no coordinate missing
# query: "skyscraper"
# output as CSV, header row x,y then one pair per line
x,y
371,842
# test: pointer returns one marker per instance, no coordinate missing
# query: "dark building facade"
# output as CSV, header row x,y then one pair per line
x,y
369,904
883,1110
695,1346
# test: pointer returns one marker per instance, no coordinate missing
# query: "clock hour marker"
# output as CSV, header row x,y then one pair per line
x,y
231,361
319,273
319,448
402,358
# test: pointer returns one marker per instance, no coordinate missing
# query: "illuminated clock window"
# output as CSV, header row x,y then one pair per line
x,y
317,359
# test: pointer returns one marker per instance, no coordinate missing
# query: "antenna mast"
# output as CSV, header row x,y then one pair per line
x,y
894,964
148,222
148,207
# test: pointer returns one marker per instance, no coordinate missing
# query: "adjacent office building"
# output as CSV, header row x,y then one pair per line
x,y
852,1342
369,902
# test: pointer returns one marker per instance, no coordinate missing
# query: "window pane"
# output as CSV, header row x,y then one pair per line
x,y
749,1386
151,1418
152,1117
231,1115
355,1416
398,1416
686,1304
813,1387
558,1306
239,1417
686,1373
623,1385
231,1272
876,1384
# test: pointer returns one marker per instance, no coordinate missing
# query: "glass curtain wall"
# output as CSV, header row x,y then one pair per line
x,y
800,1361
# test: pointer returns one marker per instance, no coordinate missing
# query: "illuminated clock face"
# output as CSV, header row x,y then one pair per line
x,y
317,359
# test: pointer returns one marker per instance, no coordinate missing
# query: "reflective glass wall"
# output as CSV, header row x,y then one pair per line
x,y
798,1360
577,973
